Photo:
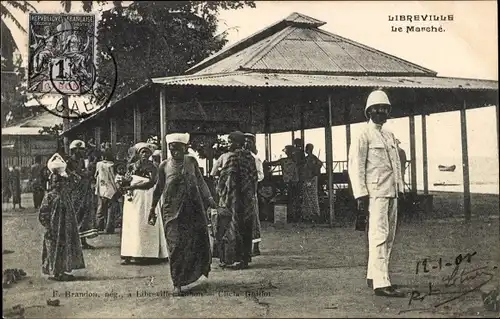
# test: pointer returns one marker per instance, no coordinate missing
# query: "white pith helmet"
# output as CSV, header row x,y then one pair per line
x,y
377,97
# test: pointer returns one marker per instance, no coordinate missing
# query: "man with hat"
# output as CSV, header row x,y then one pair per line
x,y
375,174
236,188
250,146
82,193
185,196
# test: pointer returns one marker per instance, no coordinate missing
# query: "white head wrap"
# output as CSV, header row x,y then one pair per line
x,y
77,143
178,138
56,164
156,153
141,145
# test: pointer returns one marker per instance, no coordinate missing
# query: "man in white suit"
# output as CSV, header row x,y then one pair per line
x,y
375,174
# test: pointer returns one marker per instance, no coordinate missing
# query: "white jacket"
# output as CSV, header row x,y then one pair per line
x,y
105,180
260,167
374,165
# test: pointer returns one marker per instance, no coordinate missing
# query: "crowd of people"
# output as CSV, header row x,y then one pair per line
x,y
166,207
301,170
168,212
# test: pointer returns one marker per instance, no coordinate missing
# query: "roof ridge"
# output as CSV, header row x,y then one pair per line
x,y
387,55
257,36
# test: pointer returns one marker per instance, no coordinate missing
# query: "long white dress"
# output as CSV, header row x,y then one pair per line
x,y
139,239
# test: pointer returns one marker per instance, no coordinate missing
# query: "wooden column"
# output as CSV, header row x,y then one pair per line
x,y
66,123
112,132
302,124
137,124
465,162
266,141
97,135
163,123
329,159
267,135
498,134
413,152
424,154
347,129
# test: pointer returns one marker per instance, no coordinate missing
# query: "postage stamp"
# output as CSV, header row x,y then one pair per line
x,y
61,53
62,62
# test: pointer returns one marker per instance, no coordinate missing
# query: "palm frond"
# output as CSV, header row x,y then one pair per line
x,y
66,6
7,14
87,6
24,6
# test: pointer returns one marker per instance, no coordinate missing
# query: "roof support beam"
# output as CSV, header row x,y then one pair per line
x,y
137,116
465,162
498,135
302,123
266,132
413,152
424,155
329,159
163,122
112,132
347,128
97,135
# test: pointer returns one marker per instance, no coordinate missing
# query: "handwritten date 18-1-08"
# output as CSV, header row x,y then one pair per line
x,y
425,265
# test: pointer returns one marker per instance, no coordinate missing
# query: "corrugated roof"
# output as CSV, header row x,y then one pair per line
x,y
256,79
296,44
32,125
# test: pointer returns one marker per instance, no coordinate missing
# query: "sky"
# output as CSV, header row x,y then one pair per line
x,y
467,49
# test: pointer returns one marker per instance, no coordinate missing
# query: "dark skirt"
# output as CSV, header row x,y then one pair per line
x,y
189,247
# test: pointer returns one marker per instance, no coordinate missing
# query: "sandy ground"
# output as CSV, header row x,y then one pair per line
x,y
302,272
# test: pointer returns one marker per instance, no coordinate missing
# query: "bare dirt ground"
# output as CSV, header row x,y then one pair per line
x,y
302,272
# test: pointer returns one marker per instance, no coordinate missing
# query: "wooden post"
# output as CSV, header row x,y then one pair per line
x,y
270,147
163,122
347,130
97,135
465,162
112,132
302,124
267,136
424,154
413,152
137,124
498,134
329,159
65,104
293,136
266,141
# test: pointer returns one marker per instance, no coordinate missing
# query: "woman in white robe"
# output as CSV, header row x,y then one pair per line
x,y
141,241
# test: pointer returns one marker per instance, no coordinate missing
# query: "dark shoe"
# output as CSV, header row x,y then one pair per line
x,y
389,292
126,262
63,277
369,283
87,246
256,250
241,266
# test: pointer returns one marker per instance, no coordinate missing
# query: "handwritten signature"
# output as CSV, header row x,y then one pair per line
x,y
478,277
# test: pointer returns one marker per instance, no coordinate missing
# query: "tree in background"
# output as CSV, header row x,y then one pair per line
x,y
155,38
13,96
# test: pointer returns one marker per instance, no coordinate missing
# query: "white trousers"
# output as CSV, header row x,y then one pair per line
x,y
381,232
